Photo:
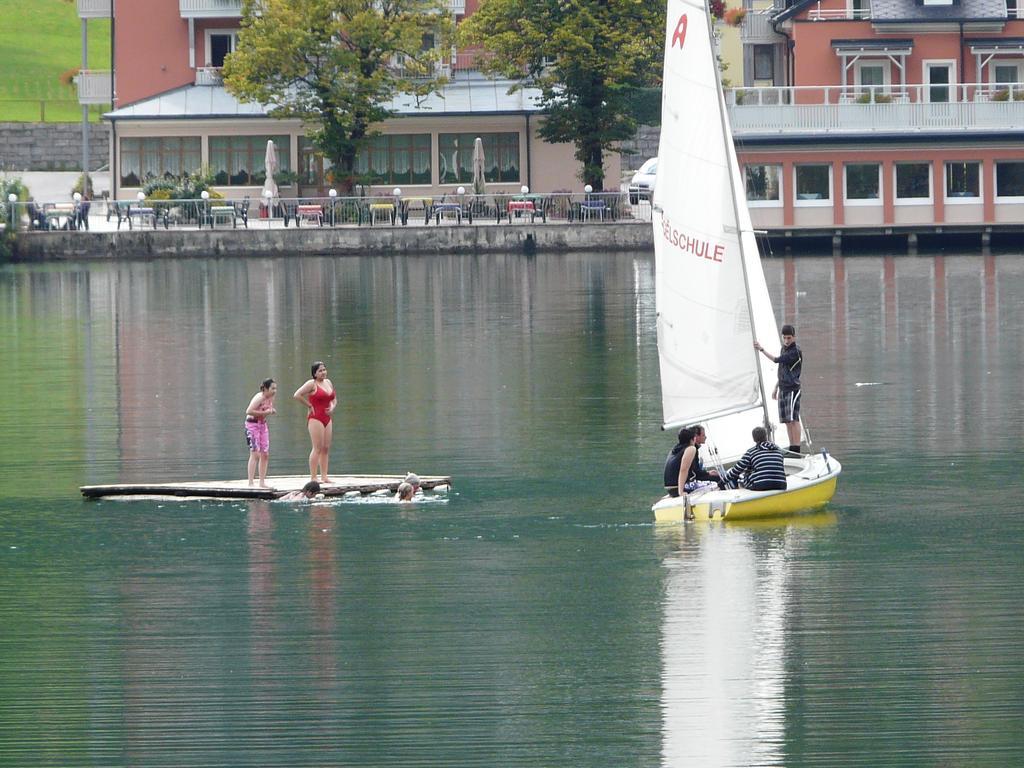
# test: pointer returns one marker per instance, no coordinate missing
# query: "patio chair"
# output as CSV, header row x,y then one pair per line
x,y
241,213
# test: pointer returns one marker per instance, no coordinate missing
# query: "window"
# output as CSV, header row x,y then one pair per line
x,y
314,168
963,180
939,76
238,161
219,43
869,75
1011,9
395,159
913,182
860,9
764,184
862,182
455,157
764,62
1010,179
813,184
164,157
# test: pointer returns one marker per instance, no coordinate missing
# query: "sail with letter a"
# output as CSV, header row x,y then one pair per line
x,y
710,291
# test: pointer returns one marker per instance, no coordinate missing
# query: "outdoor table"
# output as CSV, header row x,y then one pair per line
x,y
408,203
448,210
309,212
54,213
225,212
387,210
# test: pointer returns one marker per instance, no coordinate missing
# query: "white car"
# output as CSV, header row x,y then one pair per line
x,y
641,186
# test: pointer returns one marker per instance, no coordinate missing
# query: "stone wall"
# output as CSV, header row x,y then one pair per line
x,y
629,236
51,146
643,146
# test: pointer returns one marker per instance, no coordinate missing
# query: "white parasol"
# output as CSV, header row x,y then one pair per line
x,y
479,182
270,164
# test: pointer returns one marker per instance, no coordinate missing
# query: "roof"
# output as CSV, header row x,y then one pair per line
x,y
981,44
470,96
909,10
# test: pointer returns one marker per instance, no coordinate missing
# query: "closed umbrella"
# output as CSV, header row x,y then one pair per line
x,y
479,182
270,164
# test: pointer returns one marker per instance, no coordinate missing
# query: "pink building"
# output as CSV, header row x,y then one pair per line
x,y
901,116
172,115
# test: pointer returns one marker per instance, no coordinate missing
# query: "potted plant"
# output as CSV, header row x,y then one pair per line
x,y
734,16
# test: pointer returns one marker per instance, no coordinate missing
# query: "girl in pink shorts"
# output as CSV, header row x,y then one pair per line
x,y
257,433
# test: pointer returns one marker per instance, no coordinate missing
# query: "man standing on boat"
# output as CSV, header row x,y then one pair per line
x,y
787,390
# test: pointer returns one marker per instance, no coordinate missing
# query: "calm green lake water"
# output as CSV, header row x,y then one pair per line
x,y
538,618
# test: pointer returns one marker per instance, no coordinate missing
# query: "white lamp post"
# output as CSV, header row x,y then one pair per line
x,y
77,197
268,197
588,189
524,189
333,193
140,196
12,199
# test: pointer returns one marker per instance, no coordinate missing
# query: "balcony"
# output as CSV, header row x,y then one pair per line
x,y
457,7
757,27
209,76
94,86
95,9
862,109
210,9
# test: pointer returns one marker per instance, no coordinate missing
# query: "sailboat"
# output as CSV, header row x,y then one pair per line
x,y
711,296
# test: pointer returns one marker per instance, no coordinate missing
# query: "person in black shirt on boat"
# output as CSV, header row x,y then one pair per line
x,y
682,466
787,390
761,468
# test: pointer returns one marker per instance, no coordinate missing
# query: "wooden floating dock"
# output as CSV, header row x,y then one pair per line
x,y
279,486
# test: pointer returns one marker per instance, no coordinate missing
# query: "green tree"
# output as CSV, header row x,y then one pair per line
x,y
589,58
337,64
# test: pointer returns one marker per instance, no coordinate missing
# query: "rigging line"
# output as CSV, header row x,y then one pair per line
x,y
730,152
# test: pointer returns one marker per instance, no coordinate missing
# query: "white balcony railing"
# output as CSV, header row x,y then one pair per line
x,y
457,6
210,9
838,14
94,86
857,109
95,9
209,76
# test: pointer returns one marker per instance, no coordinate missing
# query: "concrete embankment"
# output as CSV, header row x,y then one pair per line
x,y
411,240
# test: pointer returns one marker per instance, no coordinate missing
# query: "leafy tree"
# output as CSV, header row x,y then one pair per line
x,y
587,57
336,64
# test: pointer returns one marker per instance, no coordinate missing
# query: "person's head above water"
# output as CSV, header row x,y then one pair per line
x,y
311,489
413,479
405,491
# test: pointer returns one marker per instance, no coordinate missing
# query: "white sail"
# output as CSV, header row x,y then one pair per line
x,y
705,251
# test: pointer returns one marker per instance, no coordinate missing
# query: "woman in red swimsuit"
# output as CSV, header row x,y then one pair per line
x,y
319,397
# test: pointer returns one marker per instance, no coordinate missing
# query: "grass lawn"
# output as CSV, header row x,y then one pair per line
x,y
39,41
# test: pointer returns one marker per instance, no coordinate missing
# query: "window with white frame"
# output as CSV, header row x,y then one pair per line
x,y
1005,78
764,185
219,43
1011,9
913,183
963,181
863,183
871,78
1010,180
813,184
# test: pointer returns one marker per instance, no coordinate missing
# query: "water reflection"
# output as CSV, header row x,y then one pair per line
x,y
725,626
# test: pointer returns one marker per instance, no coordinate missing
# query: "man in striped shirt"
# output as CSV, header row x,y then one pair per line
x,y
761,468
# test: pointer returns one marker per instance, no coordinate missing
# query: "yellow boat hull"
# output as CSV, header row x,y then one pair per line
x,y
810,488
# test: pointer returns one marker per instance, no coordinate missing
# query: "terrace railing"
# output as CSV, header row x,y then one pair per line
x,y
828,109
94,86
210,9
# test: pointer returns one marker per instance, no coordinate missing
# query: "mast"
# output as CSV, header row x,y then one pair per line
x,y
734,164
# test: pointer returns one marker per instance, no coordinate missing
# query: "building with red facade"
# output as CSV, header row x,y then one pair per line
x,y
903,116
171,115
